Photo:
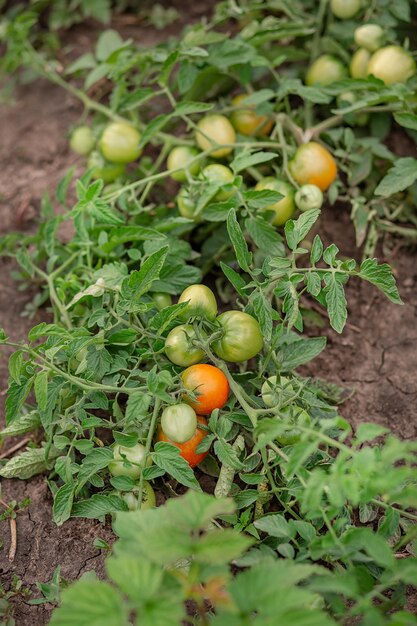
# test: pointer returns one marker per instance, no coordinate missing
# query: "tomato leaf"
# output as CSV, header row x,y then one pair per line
x,y
243,256
401,176
381,276
167,457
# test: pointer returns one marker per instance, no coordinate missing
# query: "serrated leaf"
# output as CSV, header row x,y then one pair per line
x,y
369,432
300,352
401,176
98,506
382,277
15,365
137,407
16,396
187,108
96,460
108,42
63,503
407,120
274,525
265,236
139,282
167,457
262,199
336,304
244,160
234,278
227,455
25,465
153,128
313,283
41,389
243,256
23,424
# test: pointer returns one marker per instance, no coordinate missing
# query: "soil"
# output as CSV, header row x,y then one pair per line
x,y
375,355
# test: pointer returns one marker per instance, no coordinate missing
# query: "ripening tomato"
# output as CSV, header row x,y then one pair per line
x,y
132,498
201,302
309,197
345,9
369,36
313,164
108,172
180,157
187,204
219,175
179,422
215,130
188,449
179,346
242,338
296,417
208,384
82,140
284,208
359,63
119,143
128,461
162,300
392,64
272,390
325,70
246,121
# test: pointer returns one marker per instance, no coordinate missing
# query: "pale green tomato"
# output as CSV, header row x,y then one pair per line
x,y
392,64
201,302
369,36
359,63
132,498
179,422
82,140
273,392
325,70
220,175
108,172
187,205
309,197
128,461
345,9
284,208
215,129
162,300
179,346
296,417
119,143
180,157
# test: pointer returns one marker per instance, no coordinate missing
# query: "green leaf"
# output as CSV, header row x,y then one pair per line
x,y
153,128
139,579
41,390
63,186
381,276
407,120
262,199
234,278
90,603
167,457
244,160
139,282
96,460
243,256
265,236
300,352
108,42
16,396
22,424
296,230
221,546
336,303
63,503
274,525
137,407
27,464
187,108
401,176
227,455
369,431
98,506
15,365
135,98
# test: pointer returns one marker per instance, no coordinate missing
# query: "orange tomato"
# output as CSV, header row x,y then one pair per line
x,y
247,122
188,448
314,165
210,386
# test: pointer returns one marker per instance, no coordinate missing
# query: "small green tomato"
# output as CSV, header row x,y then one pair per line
x,y
295,417
369,36
179,422
219,175
179,346
325,70
309,197
359,63
162,300
201,302
132,498
128,461
345,9
82,140
119,143
273,392
180,157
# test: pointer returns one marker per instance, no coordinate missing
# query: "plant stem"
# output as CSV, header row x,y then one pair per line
x,y
148,444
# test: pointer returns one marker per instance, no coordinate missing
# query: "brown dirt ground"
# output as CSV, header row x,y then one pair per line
x,y
375,355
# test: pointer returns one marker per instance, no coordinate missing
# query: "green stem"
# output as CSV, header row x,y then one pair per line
x,y
148,444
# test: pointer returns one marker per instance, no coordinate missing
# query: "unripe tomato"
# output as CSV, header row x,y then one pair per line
x,y
242,338
345,9
325,70
187,205
82,140
101,169
162,300
119,143
217,130
284,208
179,422
132,498
313,164
309,197
220,175
209,385
369,36
188,449
128,461
269,390
246,121
201,302
179,346
359,63
392,64
181,156
296,416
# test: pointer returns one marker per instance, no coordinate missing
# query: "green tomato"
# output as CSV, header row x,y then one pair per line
x,y
309,197
284,208
359,63
82,140
242,337
179,346
128,461
218,174
215,130
273,392
161,300
392,64
179,422
119,143
201,302
369,36
108,172
180,157
132,498
345,9
325,70
295,416
187,205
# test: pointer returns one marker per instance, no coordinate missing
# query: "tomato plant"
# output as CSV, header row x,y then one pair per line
x,y
128,461
132,498
241,337
220,175
208,385
162,300
308,197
